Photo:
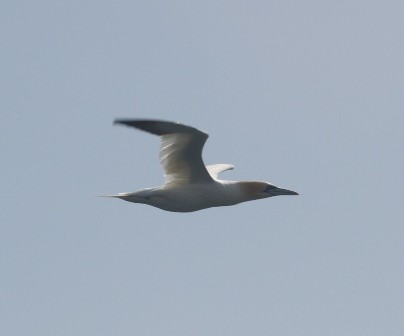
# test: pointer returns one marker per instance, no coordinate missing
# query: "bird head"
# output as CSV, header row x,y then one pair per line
x,y
257,190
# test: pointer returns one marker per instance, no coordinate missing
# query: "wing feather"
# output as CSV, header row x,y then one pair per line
x,y
215,169
180,151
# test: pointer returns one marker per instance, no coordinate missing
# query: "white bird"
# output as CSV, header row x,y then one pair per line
x,y
189,184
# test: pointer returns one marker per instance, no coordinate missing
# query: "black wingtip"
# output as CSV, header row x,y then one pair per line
x,y
137,123
158,127
123,122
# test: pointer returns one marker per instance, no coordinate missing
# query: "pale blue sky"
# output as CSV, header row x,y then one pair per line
x,y
307,95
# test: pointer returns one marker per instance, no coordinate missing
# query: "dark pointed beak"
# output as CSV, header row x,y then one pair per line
x,y
279,191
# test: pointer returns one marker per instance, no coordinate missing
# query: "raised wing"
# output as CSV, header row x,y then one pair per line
x,y
180,151
216,169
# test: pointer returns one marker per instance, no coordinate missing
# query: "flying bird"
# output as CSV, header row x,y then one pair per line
x,y
189,184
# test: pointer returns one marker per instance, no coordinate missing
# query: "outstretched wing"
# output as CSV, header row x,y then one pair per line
x,y
216,169
180,151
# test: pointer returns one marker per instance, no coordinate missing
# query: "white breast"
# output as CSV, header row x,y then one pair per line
x,y
193,197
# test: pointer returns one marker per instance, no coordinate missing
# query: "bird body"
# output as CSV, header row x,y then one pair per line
x,y
192,197
189,184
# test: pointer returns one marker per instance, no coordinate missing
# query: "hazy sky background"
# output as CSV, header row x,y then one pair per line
x,y
307,95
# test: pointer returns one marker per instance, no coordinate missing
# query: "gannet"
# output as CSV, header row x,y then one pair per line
x,y
189,184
